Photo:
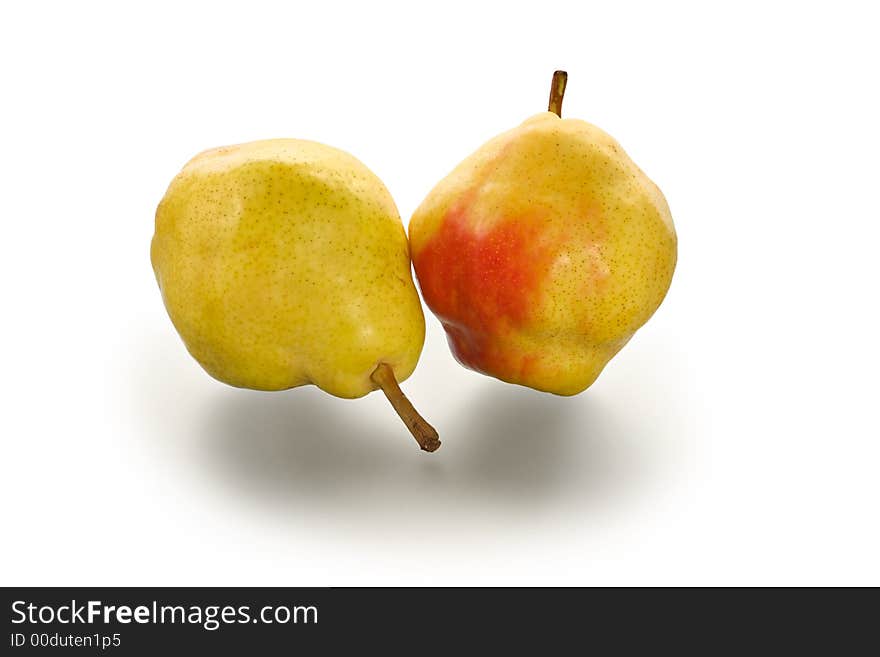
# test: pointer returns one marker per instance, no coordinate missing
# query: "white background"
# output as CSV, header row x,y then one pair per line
x,y
733,441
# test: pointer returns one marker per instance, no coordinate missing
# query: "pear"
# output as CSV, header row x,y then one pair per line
x,y
543,252
284,263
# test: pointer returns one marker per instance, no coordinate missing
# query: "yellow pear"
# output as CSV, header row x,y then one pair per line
x,y
284,263
543,252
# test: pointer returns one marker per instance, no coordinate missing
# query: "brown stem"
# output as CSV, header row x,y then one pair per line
x,y
557,91
425,435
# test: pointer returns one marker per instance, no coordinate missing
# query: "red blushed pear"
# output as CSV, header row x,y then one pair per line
x,y
543,252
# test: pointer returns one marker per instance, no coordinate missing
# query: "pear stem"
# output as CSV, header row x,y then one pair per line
x,y
557,91
425,435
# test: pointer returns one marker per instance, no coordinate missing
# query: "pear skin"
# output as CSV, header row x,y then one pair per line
x,y
284,263
543,252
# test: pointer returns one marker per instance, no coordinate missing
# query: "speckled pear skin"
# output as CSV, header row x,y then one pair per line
x,y
543,252
283,263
